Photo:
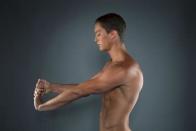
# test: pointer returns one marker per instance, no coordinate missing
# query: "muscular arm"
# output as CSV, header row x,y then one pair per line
x,y
59,88
104,82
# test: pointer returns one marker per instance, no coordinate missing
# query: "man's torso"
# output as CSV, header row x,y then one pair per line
x,y
118,103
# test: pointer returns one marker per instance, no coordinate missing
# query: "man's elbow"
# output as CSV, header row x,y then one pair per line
x,y
42,108
39,108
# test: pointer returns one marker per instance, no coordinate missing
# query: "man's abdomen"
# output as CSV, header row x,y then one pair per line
x,y
114,115
110,125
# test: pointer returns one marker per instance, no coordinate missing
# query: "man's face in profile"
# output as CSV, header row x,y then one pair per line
x,y
102,38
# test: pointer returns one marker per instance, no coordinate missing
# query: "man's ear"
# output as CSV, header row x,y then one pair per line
x,y
113,34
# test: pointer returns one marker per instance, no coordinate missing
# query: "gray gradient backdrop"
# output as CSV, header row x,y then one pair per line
x,y
53,40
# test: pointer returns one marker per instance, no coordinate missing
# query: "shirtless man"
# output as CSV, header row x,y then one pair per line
x,y
120,81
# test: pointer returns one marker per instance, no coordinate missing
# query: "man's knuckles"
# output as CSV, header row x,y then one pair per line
x,y
39,90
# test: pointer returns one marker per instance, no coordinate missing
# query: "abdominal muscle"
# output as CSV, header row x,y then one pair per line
x,y
114,115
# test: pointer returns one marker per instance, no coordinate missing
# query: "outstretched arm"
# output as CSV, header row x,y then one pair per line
x,y
106,81
53,87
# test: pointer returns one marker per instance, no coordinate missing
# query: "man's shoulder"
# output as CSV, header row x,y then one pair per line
x,y
123,65
126,67
120,67
116,68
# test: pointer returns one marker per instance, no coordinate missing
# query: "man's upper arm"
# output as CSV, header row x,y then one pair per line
x,y
105,81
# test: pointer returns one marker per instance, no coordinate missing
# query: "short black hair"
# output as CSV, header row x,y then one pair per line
x,y
112,21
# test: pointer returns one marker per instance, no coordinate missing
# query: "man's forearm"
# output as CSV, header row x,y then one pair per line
x,y
67,96
59,88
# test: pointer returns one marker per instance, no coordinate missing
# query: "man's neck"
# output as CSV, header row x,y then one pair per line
x,y
117,52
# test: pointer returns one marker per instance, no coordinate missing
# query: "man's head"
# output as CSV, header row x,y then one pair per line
x,y
109,28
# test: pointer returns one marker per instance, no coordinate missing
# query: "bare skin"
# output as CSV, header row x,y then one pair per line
x,y
119,82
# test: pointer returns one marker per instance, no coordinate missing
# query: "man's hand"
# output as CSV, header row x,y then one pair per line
x,y
42,87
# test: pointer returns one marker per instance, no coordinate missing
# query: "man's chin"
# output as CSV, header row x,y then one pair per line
x,y
102,50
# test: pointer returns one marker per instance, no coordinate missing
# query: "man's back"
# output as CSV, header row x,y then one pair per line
x,y
118,103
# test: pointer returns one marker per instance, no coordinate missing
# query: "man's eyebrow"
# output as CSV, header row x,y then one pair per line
x,y
97,31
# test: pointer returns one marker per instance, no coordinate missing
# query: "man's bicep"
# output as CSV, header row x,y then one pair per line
x,y
102,83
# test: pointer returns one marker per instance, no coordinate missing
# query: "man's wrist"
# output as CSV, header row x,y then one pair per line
x,y
37,101
48,87
38,97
